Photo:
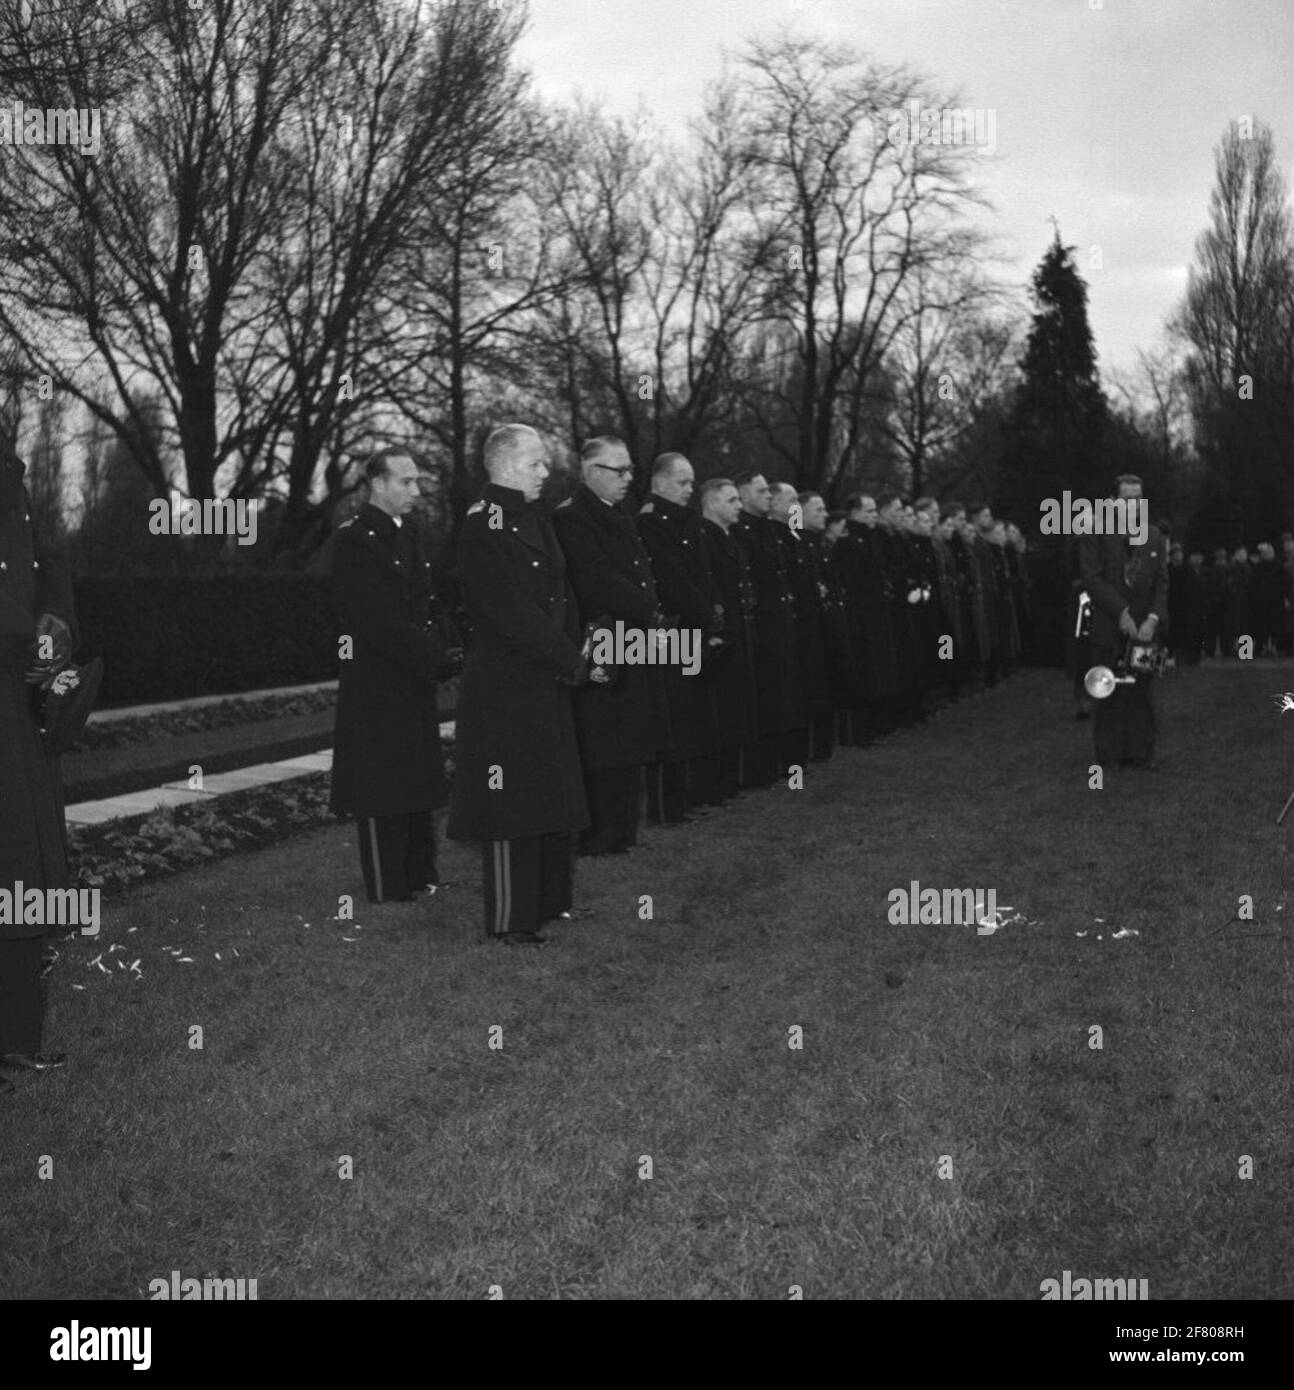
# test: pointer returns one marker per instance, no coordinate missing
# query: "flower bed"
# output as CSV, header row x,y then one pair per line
x,y
237,709
120,854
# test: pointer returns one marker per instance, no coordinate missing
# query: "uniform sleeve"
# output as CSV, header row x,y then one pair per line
x,y
1090,565
16,624
1159,592
674,587
840,562
511,609
53,582
598,583
360,590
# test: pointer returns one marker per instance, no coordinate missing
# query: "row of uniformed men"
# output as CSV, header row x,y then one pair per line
x,y
812,631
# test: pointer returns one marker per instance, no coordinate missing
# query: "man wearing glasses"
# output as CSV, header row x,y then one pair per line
x,y
622,725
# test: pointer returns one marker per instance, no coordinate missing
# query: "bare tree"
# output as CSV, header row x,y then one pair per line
x,y
141,254
949,358
393,142
481,260
596,183
863,209
234,248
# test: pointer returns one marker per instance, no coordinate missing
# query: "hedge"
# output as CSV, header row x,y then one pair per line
x,y
175,636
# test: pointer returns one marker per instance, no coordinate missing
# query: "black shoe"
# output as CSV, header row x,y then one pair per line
x,y
682,820
523,938
567,919
34,1061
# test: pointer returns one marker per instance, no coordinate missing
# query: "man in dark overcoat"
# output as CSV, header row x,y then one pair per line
x,y
973,648
781,708
37,632
518,786
975,524
896,560
1128,584
388,769
858,561
731,682
1185,607
815,740
1007,615
622,725
839,639
686,775
947,609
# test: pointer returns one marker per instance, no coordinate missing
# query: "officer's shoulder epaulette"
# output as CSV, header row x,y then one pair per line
x,y
567,503
476,507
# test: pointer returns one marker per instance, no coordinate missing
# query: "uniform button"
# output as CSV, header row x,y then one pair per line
x,y
534,562
3,565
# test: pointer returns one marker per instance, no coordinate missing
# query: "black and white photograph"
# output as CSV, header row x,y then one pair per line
x,y
645,651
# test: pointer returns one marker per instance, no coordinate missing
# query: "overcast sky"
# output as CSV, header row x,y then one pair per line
x,y
1105,117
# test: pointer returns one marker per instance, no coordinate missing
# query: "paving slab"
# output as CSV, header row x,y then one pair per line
x,y
109,716
133,804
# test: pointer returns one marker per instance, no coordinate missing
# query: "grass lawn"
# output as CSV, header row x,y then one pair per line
x,y
771,1167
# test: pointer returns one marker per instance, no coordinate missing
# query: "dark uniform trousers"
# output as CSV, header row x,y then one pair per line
x,y
21,994
1124,723
397,854
528,881
1134,578
705,781
615,805
812,744
669,791
34,580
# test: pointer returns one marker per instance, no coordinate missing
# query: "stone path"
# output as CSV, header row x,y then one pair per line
x,y
218,784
